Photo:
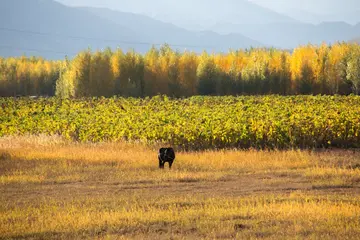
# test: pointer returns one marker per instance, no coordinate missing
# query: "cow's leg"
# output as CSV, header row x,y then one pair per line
x,y
161,163
170,163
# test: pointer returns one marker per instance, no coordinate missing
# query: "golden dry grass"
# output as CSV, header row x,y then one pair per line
x,y
51,188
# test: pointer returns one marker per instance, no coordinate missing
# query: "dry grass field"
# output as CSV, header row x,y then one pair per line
x,y
54,189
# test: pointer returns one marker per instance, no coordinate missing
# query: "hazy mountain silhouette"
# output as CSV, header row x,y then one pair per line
x,y
205,13
159,32
50,29
50,26
316,11
194,15
356,40
54,30
321,20
350,17
305,16
290,35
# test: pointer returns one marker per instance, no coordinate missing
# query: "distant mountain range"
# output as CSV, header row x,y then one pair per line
x,y
350,17
290,35
315,11
50,29
53,30
192,14
160,32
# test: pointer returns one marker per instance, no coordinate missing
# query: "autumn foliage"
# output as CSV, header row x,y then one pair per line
x,y
307,69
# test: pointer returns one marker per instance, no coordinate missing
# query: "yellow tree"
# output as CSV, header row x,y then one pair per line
x,y
225,85
256,72
65,85
336,67
80,76
101,76
152,83
188,63
321,80
116,62
167,70
302,65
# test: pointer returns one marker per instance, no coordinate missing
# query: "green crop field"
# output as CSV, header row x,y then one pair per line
x,y
193,123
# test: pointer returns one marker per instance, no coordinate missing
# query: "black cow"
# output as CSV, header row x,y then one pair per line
x,y
166,155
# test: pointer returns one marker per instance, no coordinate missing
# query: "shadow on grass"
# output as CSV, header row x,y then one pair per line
x,y
156,228
320,187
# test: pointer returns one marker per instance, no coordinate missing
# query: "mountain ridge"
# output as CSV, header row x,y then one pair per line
x,y
52,27
155,29
203,13
291,35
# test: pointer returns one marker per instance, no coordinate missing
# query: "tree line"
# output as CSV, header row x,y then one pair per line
x,y
310,69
